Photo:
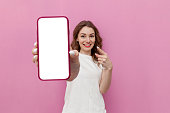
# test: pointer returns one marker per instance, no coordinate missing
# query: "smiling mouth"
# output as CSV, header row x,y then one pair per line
x,y
87,45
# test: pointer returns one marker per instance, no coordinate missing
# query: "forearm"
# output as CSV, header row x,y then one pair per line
x,y
75,67
105,82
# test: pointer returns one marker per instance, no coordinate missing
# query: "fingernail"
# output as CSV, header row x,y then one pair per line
x,y
34,56
34,43
35,50
95,53
72,53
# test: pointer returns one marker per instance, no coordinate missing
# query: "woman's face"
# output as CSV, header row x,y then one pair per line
x,y
86,39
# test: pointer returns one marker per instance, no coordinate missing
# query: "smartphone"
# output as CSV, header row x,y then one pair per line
x,y
53,48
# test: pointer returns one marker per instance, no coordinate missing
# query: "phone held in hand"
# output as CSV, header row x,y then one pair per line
x,y
53,48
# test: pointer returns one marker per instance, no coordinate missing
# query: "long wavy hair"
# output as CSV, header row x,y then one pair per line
x,y
98,40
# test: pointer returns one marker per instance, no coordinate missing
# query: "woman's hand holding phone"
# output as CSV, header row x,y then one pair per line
x,y
35,53
74,61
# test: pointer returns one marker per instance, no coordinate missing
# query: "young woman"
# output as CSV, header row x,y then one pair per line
x,y
91,72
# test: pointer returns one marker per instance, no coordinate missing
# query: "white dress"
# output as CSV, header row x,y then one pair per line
x,y
82,94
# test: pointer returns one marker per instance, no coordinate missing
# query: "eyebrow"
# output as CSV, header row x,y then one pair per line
x,y
85,33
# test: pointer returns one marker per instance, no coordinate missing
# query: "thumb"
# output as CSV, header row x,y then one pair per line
x,y
73,53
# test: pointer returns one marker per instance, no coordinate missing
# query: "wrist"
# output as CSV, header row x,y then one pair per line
x,y
107,68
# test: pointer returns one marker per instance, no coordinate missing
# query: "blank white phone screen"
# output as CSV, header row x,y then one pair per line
x,y
53,48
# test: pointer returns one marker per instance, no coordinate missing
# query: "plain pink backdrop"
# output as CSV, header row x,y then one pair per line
x,y
136,36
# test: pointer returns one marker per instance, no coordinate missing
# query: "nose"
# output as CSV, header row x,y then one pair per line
x,y
88,39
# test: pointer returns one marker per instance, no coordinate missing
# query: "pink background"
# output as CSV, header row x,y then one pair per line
x,y
136,36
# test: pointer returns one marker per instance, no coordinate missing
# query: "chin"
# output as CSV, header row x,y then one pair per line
x,y
87,49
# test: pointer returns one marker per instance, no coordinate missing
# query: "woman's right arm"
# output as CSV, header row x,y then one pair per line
x,y
74,64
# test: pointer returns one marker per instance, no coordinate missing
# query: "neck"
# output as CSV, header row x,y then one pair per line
x,y
86,53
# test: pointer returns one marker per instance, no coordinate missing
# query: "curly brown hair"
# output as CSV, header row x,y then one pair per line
x,y
98,40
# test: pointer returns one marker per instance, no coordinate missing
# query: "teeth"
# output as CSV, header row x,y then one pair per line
x,y
87,45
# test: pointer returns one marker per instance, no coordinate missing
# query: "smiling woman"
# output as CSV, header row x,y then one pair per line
x,y
84,93
91,71
86,34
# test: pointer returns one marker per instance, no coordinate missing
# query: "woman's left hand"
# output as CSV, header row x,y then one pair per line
x,y
104,59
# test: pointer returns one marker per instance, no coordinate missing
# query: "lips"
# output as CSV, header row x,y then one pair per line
x,y
87,45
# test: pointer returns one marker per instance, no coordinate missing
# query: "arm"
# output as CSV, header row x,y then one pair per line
x,y
105,81
106,75
74,64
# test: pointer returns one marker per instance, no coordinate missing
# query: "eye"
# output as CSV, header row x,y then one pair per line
x,y
92,36
82,36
